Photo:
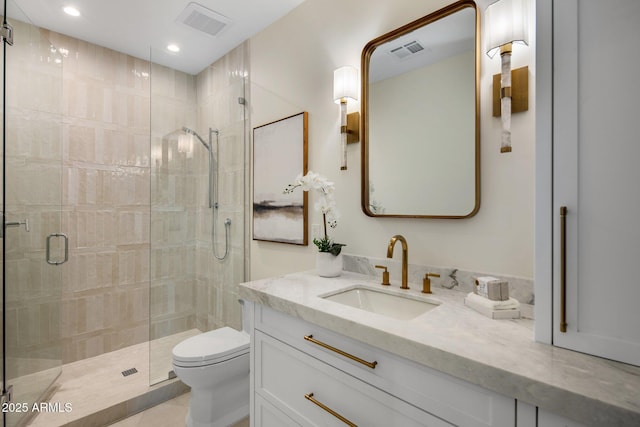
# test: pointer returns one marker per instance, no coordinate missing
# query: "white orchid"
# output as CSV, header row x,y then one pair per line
x,y
311,181
326,205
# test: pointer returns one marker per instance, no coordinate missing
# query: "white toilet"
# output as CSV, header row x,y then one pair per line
x,y
215,365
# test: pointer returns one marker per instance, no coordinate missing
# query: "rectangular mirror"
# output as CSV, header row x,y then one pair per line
x,y
420,117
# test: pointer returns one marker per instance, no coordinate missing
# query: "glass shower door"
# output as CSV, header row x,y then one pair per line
x,y
33,246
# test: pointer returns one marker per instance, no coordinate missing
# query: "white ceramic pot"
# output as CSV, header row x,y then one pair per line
x,y
328,265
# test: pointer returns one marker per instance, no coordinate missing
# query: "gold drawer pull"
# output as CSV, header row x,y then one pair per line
x,y
329,410
563,269
371,365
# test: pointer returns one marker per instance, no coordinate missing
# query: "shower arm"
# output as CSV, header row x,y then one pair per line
x,y
213,187
209,147
194,133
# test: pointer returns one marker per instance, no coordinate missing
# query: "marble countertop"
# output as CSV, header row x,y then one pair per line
x,y
499,355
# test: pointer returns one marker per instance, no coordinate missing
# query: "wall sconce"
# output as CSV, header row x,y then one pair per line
x,y
345,88
507,22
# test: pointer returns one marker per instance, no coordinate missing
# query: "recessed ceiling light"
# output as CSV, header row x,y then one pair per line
x,y
72,11
173,48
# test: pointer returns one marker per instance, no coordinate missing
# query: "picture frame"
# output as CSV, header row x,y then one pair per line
x,y
280,152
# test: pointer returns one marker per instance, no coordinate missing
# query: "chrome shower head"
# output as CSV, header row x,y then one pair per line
x,y
194,133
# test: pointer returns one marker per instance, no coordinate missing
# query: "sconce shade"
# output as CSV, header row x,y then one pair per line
x,y
506,21
345,83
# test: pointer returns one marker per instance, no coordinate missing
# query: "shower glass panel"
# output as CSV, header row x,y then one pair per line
x,y
2,384
32,213
191,289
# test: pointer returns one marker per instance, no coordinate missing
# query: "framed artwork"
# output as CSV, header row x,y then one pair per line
x,y
279,156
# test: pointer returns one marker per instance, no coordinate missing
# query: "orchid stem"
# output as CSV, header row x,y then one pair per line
x,y
324,223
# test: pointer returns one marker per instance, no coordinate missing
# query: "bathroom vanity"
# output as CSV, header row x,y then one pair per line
x,y
316,361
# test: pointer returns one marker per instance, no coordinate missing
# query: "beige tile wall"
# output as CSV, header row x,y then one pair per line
x,y
218,88
174,207
190,288
33,146
136,217
106,170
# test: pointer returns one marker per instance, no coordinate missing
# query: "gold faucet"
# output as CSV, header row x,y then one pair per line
x,y
405,257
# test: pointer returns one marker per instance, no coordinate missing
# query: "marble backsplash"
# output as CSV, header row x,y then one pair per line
x,y
450,277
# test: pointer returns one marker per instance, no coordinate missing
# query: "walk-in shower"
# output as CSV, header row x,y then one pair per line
x,y
140,216
212,190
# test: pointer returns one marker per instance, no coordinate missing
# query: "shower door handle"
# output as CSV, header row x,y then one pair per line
x,y
66,248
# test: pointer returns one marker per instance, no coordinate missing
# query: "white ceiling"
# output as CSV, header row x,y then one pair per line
x,y
444,38
144,28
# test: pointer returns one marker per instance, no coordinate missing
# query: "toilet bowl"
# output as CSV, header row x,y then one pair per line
x,y
215,365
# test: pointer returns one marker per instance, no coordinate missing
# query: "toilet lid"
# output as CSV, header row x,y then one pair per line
x,y
209,347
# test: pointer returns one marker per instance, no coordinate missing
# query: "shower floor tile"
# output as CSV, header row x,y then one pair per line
x,y
97,390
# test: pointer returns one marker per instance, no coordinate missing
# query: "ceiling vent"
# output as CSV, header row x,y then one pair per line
x,y
407,49
202,19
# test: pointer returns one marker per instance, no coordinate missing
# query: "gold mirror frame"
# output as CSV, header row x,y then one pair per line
x,y
366,57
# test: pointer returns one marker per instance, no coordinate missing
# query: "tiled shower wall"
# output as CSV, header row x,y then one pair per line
x,y
106,168
32,167
220,93
107,179
174,178
190,288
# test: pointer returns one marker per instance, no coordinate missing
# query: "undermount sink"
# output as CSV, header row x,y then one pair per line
x,y
401,307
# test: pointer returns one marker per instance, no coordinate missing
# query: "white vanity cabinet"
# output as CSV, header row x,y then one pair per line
x,y
314,381
592,119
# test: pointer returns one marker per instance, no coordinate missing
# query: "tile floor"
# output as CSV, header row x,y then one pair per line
x,y
168,414
99,393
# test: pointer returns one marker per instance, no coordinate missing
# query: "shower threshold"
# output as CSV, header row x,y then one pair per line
x,y
99,394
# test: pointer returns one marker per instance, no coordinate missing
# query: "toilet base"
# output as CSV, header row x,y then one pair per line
x,y
220,407
229,419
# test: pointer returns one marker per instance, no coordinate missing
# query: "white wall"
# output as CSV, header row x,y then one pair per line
x,y
292,64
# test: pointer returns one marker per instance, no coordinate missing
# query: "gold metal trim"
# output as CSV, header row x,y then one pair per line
x,y
353,128
505,92
563,269
519,92
371,365
310,398
506,48
365,59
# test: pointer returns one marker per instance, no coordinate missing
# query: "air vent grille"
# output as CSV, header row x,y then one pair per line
x,y
414,47
202,19
407,49
128,372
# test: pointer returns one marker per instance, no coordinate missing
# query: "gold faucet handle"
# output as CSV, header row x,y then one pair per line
x,y
385,275
426,283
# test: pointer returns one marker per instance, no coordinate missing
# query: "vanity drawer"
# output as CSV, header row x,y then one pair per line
x,y
291,379
267,415
449,398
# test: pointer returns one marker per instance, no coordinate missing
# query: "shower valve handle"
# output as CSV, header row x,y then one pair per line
x,y
24,222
